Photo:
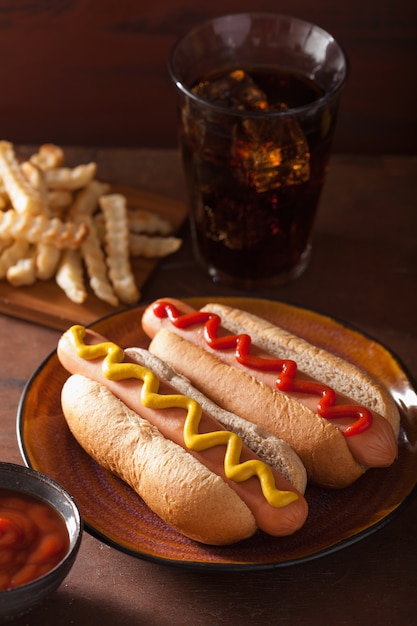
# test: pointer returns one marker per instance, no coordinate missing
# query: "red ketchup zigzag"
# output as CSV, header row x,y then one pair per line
x,y
286,369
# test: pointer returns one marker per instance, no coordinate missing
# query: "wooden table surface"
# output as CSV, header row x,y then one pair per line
x,y
363,271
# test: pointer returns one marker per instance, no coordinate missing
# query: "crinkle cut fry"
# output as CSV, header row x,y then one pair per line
x,y
143,221
117,247
142,244
41,229
24,197
95,262
70,178
152,247
59,201
36,179
92,253
86,200
23,272
47,260
46,256
56,208
48,157
18,249
69,276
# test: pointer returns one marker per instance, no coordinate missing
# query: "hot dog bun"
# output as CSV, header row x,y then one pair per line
x,y
320,446
166,477
331,459
318,363
274,451
276,506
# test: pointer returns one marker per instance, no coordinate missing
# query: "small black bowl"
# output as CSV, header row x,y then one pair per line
x,y
19,600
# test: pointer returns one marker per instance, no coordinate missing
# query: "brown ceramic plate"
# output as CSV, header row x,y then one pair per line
x,y
113,513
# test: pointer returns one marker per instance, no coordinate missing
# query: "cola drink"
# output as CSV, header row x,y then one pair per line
x,y
255,137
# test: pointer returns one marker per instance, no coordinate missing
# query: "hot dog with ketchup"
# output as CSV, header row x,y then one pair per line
x,y
338,420
196,475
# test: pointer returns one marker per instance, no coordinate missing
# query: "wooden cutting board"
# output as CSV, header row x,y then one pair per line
x,y
45,303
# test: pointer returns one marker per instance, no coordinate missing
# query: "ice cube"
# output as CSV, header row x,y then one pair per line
x,y
267,152
236,91
271,153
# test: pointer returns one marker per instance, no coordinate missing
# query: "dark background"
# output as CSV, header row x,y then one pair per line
x,y
94,72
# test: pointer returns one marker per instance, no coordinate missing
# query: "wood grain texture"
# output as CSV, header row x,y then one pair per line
x,y
95,73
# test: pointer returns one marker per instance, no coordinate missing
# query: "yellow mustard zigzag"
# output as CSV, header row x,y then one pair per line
x,y
114,368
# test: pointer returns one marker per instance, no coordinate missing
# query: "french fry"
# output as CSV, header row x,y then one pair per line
x,y
23,272
69,276
70,178
48,157
46,260
152,247
142,221
117,248
61,222
10,256
58,200
95,262
41,229
85,204
143,244
24,197
86,200
35,177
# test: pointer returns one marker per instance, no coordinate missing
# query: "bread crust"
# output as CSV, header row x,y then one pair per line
x,y
320,446
272,450
324,366
178,488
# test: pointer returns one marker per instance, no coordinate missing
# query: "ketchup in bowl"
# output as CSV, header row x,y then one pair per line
x,y
33,538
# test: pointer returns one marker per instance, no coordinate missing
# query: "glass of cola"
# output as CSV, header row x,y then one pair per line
x,y
258,96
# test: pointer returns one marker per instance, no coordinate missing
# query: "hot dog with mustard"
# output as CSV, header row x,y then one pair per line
x,y
338,420
195,474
